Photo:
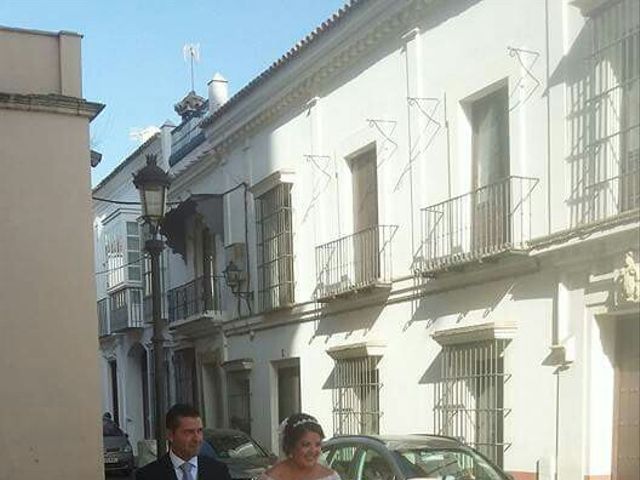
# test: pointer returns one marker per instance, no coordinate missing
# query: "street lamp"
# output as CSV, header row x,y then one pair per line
x,y
152,183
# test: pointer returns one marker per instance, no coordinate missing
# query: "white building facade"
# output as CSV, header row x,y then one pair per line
x,y
423,218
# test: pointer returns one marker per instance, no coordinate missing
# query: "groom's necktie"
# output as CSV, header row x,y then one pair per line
x,y
186,471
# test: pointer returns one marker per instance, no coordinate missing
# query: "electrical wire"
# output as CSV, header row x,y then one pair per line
x,y
102,272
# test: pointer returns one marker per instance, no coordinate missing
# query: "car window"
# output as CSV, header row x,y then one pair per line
x,y
324,456
445,465
374,467
343,461
234,445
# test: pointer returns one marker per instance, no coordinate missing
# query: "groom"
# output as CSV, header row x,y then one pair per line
x,y
184,431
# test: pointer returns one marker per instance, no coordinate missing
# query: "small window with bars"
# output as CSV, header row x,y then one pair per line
x,y
356,396
469,397
275,248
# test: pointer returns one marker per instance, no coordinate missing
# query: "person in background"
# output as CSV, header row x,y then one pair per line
x,y
184,431
301,441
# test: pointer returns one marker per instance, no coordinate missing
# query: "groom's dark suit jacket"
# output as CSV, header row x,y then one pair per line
x,y
208,469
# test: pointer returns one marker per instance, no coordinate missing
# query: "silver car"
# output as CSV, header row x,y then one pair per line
x,y
245,457
116,448
361,457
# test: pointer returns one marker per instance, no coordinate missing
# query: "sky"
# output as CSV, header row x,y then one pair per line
x,y
132,52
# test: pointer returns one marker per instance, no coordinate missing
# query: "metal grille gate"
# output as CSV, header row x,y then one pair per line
x,y
356,396
469,398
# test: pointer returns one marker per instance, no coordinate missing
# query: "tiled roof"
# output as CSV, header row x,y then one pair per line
x,y
126,162
294,52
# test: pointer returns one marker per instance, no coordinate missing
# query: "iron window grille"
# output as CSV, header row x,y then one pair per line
x,y
607,181
469,398
275,248
356,396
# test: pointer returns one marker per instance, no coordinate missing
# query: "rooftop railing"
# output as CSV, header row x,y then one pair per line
x,y
199,296
485,222
354,262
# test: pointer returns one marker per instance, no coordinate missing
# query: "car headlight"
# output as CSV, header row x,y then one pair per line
x,y
127,449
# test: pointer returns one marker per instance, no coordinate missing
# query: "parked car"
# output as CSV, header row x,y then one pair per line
x,y
116,449
360,457
245,457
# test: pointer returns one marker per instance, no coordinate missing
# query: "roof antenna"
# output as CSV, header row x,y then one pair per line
x,y
191,53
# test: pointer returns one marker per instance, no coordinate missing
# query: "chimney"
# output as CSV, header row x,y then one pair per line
x,y
218,92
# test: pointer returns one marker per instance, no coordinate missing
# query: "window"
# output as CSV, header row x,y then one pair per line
x,y
611,175
375,467
469,401
366,259
364,177
288,390
490,145
275,248
490,142
239,392
114,254
133,251
184,362
342,460
356,396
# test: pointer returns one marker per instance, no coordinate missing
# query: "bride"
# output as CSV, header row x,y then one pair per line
x,y
301,441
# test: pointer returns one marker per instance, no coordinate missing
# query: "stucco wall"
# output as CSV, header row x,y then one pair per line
x,y
49,414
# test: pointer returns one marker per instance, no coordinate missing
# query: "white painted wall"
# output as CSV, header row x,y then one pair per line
x,y
454,52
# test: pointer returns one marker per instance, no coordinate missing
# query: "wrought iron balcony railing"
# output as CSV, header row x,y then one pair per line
x,y
125,309
354,262
485,222
199,296
103,317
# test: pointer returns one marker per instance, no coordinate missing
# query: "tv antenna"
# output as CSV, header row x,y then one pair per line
x,y
191,54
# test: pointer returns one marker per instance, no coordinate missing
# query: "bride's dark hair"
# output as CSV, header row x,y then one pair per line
x,y
295,427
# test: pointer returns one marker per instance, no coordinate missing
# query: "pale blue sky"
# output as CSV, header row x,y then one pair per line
x,y
132,52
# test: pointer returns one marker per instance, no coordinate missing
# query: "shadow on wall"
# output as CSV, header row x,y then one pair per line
x,y
355,320
476,304
602,92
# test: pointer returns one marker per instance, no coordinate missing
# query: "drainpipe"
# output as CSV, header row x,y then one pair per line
x,y
548,108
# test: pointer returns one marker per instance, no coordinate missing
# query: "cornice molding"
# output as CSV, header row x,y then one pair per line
x,y
50,103
263,186
475,333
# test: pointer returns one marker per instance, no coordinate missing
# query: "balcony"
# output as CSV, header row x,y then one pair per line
x,y
103,317
126,309
484,223
354,263
195,305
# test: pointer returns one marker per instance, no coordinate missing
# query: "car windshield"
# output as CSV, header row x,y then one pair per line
x,y
454,464
234,445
